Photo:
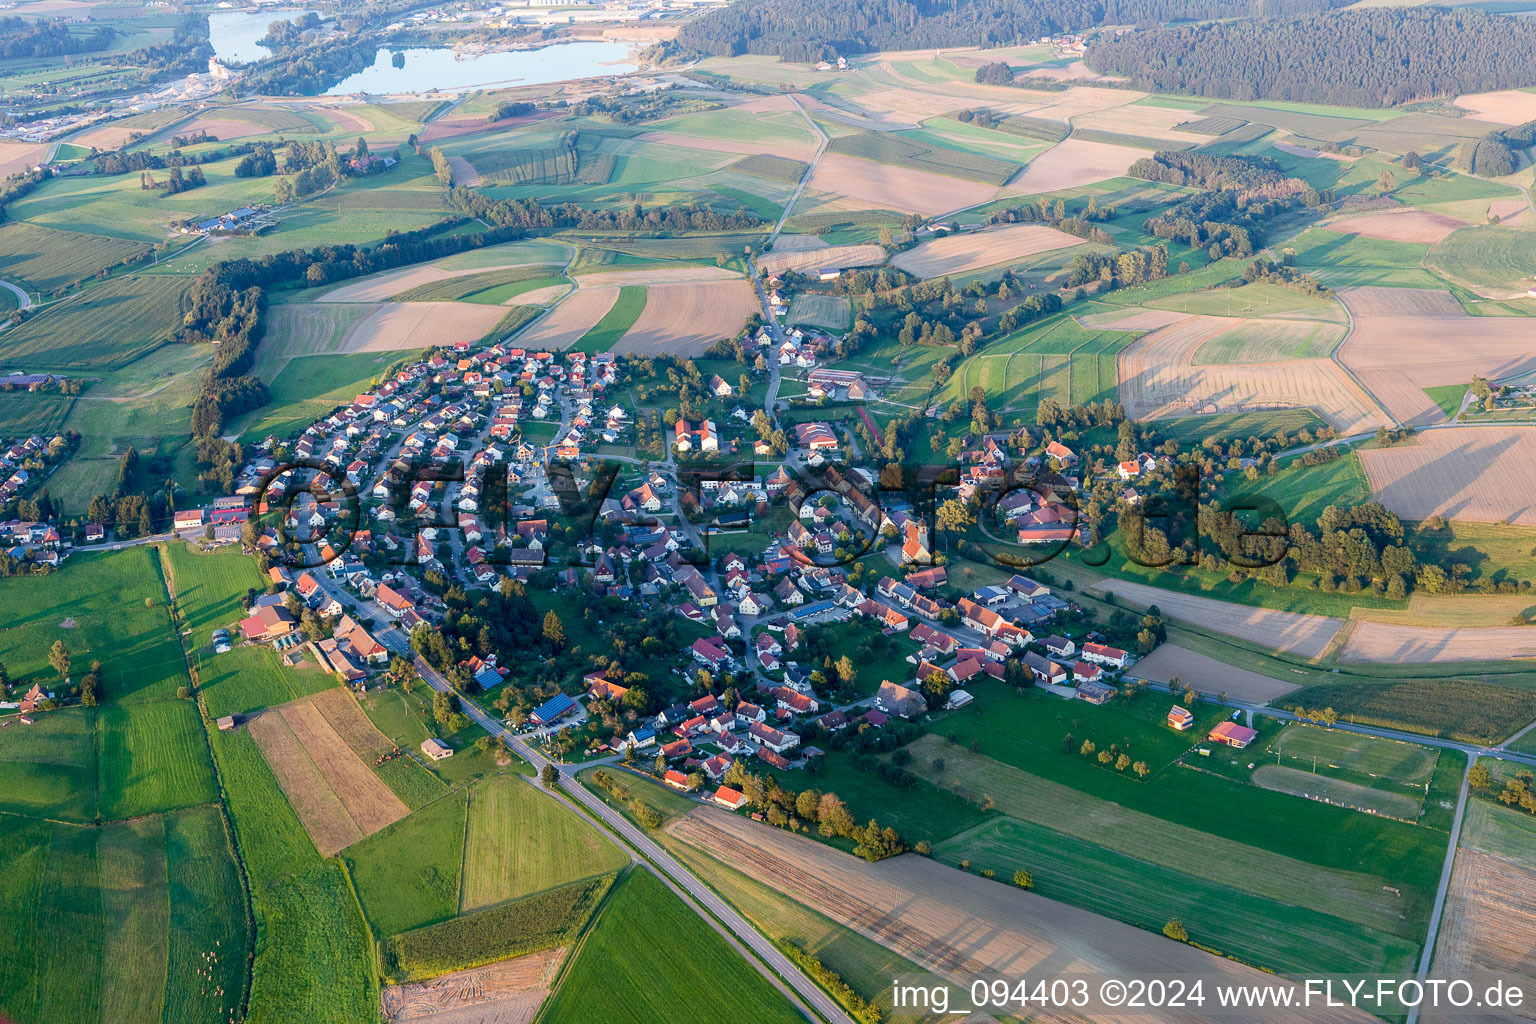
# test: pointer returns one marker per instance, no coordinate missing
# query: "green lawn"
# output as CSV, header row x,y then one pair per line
x,y
1302,492
1256,299
1448,397
608,983
49,768
1492,261
210,586
621,316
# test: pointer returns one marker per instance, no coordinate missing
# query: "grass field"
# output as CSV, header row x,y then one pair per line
x,y
621,316
1491,261
136,921
1302,492
1027,735
210,586
118,606
50,768
1406,763
924,155
608,984
313,960
407,875
519,841
308,388
42,259
629,787
248,678
104,327
152,757
23,414
863,963
1056,359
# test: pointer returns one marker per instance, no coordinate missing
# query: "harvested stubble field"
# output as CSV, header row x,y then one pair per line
x,y
1208,675
1490,910
1271,341
883,186
1132,318
961,253
387,285
1304,635
1508,211
414,325
804,259
1407,339
685,319
953,923
1394,644
831,312
1478,474
335,795
1159,378
1400,226
509,992
570,320
1506,106
1072,163
656,275
16,157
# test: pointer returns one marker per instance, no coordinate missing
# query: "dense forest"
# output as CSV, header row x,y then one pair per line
x,y
1365,58
1497,153
809,30
22,37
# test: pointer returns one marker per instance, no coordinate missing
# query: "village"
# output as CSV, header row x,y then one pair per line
x,y
433,482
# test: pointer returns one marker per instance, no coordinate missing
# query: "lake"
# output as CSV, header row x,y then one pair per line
x,y
233,34
440,68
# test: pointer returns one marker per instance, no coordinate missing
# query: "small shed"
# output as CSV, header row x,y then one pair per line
x,y
436,749
226,723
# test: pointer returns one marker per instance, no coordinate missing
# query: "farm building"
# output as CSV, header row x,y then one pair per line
x,y
1233,735
552,710
1180,718
436,749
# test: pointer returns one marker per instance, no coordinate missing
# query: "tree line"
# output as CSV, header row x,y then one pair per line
x,y
1370,57
528,214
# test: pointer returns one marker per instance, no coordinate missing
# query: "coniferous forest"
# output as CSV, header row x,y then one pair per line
x,y
1363,58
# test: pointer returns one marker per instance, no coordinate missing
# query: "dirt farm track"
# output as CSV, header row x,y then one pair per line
x,y
957,924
